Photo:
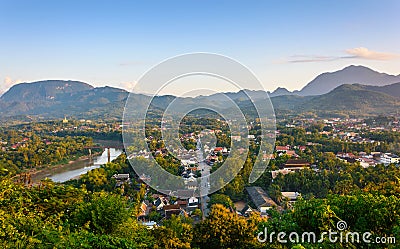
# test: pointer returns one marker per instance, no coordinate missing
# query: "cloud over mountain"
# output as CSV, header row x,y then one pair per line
x,y
7,83
353,53
365,53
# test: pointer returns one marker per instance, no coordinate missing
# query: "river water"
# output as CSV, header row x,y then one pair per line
x,y
76,168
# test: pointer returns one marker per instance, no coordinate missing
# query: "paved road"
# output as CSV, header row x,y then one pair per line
x,y
205,179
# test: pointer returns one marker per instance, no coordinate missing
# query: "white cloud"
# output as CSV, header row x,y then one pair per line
x,y
7,83
129,86
353,53
365,53
311,58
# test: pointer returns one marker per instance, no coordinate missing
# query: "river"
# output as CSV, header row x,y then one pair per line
x,y
76,168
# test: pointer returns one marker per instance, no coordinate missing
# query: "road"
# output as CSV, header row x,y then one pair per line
x,y
205,179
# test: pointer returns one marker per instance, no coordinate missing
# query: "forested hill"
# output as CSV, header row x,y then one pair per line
x,y
56,99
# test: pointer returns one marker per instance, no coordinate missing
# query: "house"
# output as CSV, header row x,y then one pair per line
x,y
150,225
190,179
192,185
170,210
291,196
144,210
184,193
344,155
193,201
246,211
291,153
160,202
260,198
275,173
268,157
121,179
181,203
388,158
367,162
236,138
220,149
302,147
296,164
144,178
282,148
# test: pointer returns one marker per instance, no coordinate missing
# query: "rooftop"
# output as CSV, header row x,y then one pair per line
x,y
260,197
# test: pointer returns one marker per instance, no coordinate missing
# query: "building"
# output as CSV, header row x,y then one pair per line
x,y
296,164
160,202
150,225
175,209
260,198
388,158
144,210
246,211
291,196
193,201
121,179
267,157
275,173
367,162
282,148
236,138
192,185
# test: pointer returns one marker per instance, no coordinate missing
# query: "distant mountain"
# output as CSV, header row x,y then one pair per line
x,y
326,82
392,90
279,92
56,99
353,99
237,96
43,90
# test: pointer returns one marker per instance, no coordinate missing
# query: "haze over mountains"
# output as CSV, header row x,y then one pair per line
x,y
355,89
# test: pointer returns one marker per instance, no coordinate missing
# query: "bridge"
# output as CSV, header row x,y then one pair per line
x,y
104,148
121,147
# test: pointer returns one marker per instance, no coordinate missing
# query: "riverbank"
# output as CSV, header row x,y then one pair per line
x,y
78,167
59,166
41,172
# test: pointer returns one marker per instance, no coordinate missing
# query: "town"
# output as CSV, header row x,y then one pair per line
x,y
312,159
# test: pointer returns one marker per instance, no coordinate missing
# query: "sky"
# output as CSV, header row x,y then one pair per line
x,y
285,43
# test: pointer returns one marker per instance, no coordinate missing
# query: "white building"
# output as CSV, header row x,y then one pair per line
x,y
388,158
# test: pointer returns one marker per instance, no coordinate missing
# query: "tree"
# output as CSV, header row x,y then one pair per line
x,y
176,232
275,193
221,199
155,216
223,229
197,212
103,213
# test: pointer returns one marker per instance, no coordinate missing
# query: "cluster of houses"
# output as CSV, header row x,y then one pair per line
x,y
286,150
5,146
213,156
263,202
291,166
368,160
166,206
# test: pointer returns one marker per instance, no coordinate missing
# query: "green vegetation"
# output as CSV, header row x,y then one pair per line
x,y
96,212
27,151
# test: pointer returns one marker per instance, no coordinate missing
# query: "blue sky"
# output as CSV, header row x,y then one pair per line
x,y
285,43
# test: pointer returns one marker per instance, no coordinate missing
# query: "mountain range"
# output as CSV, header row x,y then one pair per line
x,y
328,81
354,90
